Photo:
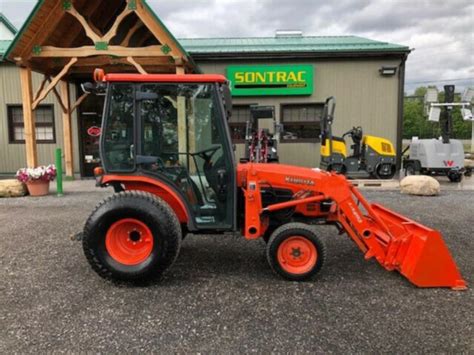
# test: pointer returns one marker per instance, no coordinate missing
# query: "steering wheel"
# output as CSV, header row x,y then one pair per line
x,y
207,153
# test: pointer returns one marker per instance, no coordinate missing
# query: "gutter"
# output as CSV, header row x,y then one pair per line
x,y
295,55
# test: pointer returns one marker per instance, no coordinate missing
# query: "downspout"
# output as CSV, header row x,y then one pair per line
x,y
401,94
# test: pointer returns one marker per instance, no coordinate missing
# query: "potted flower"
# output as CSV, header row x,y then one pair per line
x,y
37,179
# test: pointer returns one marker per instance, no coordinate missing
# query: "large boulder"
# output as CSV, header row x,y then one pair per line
x,y
420,185
12,188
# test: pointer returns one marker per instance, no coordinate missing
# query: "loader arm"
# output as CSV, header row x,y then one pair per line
x,y
396,242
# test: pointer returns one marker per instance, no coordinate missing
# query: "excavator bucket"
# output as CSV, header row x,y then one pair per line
x,y
417,252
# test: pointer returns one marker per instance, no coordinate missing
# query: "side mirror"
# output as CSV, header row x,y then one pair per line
x,y
93,88
88,88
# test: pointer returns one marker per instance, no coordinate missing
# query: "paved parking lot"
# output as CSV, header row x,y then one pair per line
x,y
221,296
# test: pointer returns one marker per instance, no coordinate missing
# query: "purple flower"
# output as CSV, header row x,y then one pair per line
x,y
45,173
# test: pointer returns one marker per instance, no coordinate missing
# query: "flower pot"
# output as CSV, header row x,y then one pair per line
x,y
38,187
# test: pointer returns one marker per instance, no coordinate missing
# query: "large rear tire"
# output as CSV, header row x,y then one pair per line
x,y
132,236
295,252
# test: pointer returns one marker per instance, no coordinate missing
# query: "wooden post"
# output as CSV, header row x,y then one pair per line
x,y
182,126
28,117
67,129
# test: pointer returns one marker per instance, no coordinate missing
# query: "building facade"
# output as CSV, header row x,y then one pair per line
x,y
290,73
366,77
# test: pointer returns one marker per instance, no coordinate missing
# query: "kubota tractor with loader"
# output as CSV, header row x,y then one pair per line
x,y
166,150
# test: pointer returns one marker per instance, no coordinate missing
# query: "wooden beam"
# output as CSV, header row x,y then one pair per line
x,y
92,31
105,60
95,37
43,83
67,129
182,131
136,65
89,51
182,128
78,102
53,83
126,69
113,30
60,101
75,33
49,25
158,31
28,118
131,32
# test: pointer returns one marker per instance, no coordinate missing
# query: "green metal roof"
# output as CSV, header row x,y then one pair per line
x,y
4,46
287,44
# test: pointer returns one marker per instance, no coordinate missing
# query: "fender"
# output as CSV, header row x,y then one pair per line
x,y
154,186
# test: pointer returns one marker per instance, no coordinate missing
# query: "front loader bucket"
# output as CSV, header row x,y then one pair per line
x,y
417,252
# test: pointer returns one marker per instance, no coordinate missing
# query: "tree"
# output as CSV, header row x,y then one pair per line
x,y
415,120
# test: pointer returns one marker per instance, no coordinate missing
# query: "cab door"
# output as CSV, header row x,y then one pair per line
x,y
185,141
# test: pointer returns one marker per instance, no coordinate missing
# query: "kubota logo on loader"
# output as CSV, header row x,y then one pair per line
x,y
448,163
299,181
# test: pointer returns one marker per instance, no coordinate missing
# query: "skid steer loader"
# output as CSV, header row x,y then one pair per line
x,y
166,150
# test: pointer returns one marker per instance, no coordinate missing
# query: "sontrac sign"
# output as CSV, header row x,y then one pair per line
x,y
270,80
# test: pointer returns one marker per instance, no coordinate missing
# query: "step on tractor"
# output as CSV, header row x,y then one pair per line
x,y
372,157
166,151
441,156
261,142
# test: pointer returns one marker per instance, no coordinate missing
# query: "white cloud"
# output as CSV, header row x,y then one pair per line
x,y
440,31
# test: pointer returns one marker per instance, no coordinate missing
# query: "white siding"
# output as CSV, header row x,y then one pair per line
x,y
13,156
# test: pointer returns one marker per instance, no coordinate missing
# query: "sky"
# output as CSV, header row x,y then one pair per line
x,y
440,32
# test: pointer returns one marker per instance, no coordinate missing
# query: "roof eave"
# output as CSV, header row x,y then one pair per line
x,y
299,55
157,19
22,29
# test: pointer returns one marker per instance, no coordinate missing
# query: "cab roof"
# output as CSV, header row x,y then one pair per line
x,y
168,78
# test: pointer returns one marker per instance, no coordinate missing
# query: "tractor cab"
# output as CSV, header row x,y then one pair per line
x,y
174,132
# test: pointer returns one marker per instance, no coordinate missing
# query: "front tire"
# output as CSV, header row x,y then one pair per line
x,y
454,176
295,252
385,171
132,236
337,168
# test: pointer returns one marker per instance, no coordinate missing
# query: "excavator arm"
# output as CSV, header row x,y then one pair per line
x,y
396,242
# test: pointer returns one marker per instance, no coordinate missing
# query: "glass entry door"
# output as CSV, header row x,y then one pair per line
x,y
90,120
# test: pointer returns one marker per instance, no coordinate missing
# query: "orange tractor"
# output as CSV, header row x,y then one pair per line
x,y
166,150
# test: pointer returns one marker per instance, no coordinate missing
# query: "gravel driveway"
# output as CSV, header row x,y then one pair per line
x,y
221,296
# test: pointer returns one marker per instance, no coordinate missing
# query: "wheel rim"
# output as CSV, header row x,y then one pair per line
x,y
129,241
297,255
